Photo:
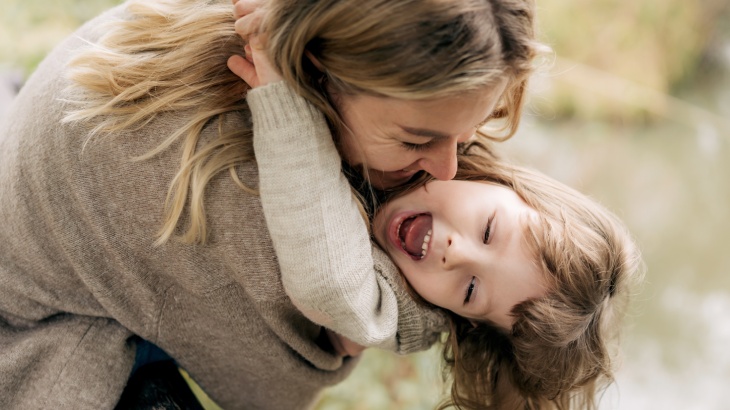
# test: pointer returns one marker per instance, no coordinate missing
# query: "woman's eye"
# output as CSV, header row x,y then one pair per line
x,y
470,289
416,147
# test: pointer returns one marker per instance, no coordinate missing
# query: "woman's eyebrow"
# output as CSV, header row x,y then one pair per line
x,y
422,132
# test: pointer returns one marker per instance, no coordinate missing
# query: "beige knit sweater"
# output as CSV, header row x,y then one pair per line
x,y
310,211
79,275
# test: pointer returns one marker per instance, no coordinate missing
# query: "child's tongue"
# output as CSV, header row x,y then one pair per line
x,y
412,232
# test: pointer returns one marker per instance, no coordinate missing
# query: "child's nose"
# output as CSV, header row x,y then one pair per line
x,y
455,255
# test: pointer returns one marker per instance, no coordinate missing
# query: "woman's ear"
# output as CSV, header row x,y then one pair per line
x,y
314,60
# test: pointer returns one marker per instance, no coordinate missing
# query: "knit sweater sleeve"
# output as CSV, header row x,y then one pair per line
x,y
329,267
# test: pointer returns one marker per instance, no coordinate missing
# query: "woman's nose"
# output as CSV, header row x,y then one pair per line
x,y
441,161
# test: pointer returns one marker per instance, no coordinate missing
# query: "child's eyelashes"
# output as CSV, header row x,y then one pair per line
x,y
470,289
488,230
486,237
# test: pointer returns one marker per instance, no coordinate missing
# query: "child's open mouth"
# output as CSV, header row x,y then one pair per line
x,y
414,234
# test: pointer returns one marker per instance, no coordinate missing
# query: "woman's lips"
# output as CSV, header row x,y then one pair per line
x,y
411,233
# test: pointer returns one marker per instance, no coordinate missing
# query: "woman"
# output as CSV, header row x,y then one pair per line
x,y
92,260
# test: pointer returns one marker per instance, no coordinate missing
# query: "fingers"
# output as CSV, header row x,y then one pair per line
x,y
248,25
254,43
342,345
351,348
264,68
245,7
248,53
249,15
244,69
255,69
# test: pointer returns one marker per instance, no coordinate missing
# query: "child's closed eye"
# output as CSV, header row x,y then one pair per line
x,y
488,230
470,289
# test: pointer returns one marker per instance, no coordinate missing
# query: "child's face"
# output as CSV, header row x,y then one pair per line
x,y
461,246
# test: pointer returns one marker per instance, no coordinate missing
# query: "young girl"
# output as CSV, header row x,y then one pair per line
x,y
547,271
532,275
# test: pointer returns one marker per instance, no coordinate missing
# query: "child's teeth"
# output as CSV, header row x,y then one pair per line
x,y
426,240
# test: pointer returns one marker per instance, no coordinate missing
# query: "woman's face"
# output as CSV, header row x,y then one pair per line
x,y
390,140
461,245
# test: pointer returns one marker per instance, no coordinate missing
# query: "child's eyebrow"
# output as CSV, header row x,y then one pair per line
x,y
423,132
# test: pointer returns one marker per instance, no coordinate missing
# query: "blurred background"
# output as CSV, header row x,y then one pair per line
x,y
633,108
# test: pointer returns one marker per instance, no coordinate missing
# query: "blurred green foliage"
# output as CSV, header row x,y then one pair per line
x,y
29,29
383,380
610,53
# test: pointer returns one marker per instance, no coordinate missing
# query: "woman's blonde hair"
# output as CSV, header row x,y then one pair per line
x,y
405,49
170,56
559,353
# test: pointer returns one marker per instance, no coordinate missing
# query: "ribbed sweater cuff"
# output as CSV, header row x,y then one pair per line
x,y
276,105
419,326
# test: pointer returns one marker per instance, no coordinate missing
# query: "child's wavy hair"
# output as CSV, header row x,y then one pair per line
x,y
561,349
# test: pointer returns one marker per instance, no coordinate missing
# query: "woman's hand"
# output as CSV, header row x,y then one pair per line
x,y
255,69
342,345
